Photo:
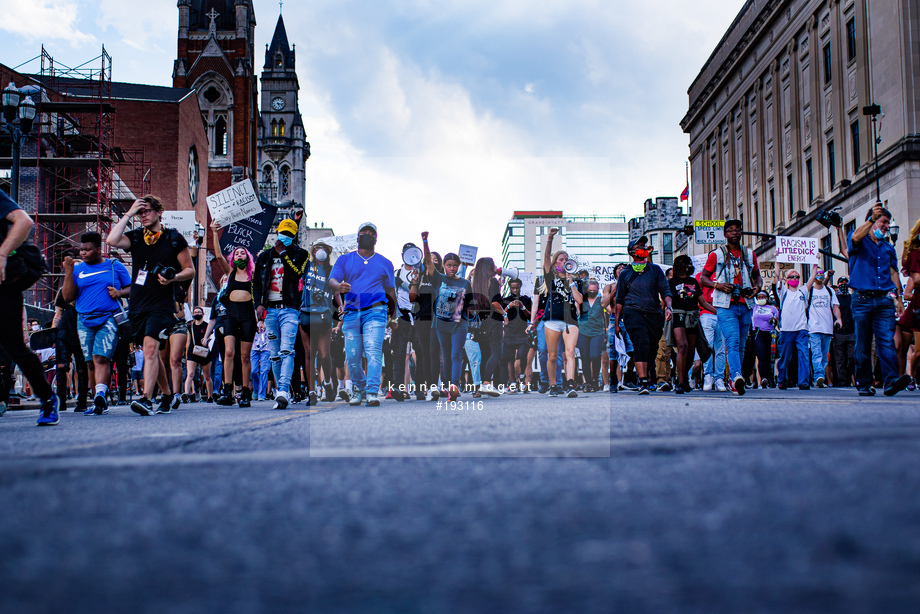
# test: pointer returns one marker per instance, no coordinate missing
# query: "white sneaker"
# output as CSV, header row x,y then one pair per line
x,y
490,390
720,385
430,396
281,400
707,383
606,387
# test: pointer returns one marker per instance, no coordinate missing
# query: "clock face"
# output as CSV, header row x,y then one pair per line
x,y
277,103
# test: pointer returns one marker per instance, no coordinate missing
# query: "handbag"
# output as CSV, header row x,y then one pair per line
x,y
24,266
121,316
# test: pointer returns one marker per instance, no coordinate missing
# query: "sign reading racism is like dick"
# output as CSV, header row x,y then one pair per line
x,y
797,250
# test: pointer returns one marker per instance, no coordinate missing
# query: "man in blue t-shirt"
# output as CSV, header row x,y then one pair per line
x,y
96,284
367,280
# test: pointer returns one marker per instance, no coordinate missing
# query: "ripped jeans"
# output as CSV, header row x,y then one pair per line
x,y
281,325
364,331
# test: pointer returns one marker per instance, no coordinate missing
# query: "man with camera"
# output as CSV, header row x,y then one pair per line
x,y
96,284
160,258
733,274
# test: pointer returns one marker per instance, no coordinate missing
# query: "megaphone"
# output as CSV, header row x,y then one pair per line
x,y
510,271
570,266
412,256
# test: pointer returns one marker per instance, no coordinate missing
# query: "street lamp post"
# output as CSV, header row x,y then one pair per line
x,y
873,111
18,115
199,233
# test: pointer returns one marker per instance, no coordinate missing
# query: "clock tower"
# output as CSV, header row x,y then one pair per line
x,y
283,148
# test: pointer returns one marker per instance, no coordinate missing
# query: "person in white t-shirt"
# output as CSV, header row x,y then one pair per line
x,y
793,327
823,316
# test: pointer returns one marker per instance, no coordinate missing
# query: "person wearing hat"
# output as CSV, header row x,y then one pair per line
x,y
640,291
316,306
764,320
368,282
733,274
845,335
276,292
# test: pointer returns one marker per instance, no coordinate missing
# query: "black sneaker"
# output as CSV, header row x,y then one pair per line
x,y
210,399
679,389
343,394
555,391
312,400
543,387
142,406
664,387
866,392
329,392
644,388
177,401
739,386
631,386
804,387
398,395
185,398
571,393
100,407
899,384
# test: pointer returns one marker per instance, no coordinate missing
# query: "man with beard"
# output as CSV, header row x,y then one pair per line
x,y
367,280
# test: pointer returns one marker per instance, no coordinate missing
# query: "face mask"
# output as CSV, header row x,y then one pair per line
x,y
366,241
843,288
240,264
320,254
761,301
819,277
285,240
592,294
642,253
878,233
792,283
639,267
198,316
36,327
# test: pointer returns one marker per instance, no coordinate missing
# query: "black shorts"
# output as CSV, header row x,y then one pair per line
x,y
315,322
337,349
515,349
240,321
154,324
645,329
678,321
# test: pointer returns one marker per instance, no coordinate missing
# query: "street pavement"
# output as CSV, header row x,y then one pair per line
x,y
775,502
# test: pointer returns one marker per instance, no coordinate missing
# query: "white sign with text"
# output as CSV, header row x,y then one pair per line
x,y
797,250
235,203
467,254
183,221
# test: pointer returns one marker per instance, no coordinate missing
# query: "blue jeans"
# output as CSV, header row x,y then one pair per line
x,y
735,323
715,366
474,355
793,341
281,325
874,316
98,340
364,332
542,354
820,346
261,363
452,346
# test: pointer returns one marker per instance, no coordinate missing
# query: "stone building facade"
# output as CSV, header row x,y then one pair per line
x,y
776,117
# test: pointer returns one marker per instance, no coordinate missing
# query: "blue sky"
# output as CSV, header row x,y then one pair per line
x,y
445,116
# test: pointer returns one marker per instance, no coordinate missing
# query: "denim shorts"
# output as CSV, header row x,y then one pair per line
x,y
99,340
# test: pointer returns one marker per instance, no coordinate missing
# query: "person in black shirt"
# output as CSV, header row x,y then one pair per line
x,y
513,311
197,329
845,336
67,348
687,298
560,317
160,258
428,348
640,290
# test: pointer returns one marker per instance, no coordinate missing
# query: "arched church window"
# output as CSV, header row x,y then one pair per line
x,y
212,94
274,127
220,136
279,60
285,181
281,128
268,175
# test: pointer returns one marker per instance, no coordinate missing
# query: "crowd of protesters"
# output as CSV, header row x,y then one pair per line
x,y
297,324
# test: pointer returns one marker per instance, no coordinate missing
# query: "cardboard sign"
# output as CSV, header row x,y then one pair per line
x,y
342,244
183,221
235,203
767,273
527,280
467,254
709,232
250,233
797,250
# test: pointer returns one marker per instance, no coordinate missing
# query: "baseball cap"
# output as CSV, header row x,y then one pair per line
x,y
643,240
370,225
288,226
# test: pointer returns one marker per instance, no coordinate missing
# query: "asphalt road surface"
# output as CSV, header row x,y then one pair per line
x,y
775,502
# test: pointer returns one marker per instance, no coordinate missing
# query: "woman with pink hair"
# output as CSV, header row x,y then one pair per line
x,y
236,296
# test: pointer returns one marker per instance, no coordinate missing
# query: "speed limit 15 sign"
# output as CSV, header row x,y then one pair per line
x,y
709,232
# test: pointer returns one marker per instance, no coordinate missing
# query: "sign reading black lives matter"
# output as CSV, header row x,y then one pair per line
x,y
249,233
237,202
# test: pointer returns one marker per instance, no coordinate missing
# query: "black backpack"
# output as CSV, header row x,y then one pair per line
x,y
24,266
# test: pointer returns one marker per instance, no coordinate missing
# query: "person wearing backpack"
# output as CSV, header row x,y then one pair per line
x,y
823,318
793,327
733,273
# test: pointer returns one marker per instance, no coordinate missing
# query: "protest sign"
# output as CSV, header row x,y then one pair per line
x,y
797,250
467,254
250,233
183,221
235,203
767,273
709,232
526,278
342,244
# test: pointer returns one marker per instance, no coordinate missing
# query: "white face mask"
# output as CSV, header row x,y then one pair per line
x,y
761,301
36,327
321,254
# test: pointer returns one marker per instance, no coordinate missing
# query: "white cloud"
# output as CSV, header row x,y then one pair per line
x,y
141,25
40,20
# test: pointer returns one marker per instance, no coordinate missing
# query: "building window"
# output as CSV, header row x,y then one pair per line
x,y
274,127
789,186
811,185
715,181
831,163
285,176
772,207
220,136
667,248
851,40
281,128
828,64
854,136
756,218
653,243
849,227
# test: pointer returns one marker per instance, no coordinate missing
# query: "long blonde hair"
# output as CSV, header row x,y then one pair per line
x,y
544,288
912,242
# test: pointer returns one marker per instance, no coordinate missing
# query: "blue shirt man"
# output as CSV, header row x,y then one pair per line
x,y
367,279
874,278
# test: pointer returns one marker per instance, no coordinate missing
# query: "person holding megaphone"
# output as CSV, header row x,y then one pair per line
x,y
563,301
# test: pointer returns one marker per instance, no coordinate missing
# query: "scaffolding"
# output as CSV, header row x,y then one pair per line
x,y
82,180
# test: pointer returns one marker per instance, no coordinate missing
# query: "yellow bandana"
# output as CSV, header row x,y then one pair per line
x,y
151,237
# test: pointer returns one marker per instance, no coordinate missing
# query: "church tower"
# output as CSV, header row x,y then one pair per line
x,y
216,54
283,148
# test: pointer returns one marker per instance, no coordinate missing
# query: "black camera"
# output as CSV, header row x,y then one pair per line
x,y
829,218
736,293
167,272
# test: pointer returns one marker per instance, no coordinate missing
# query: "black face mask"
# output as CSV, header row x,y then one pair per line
x,y
366,241
198,316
